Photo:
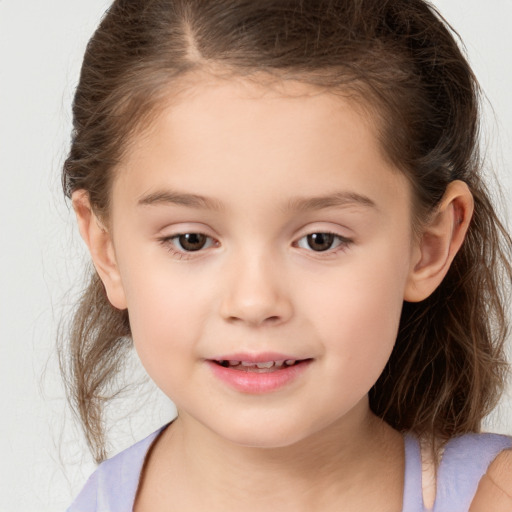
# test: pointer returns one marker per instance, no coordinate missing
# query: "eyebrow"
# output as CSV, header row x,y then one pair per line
x,y
301,204
180,199
337,199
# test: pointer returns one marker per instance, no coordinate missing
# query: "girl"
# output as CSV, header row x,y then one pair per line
x,y
284,206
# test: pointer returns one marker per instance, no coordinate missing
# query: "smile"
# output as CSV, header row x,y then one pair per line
x,y
264,366
258,377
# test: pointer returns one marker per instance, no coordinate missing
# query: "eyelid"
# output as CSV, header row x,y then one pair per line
x,y
168,242
344,242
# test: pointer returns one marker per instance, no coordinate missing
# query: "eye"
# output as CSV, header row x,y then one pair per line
x,y
191,241
188,242
321,242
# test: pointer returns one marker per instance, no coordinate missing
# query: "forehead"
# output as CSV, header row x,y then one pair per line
x,y
201,99
253,138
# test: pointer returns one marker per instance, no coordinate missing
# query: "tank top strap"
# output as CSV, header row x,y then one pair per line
x,y
118,477
465,461
413,493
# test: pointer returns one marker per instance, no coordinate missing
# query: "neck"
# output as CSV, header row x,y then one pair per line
x,y
341,463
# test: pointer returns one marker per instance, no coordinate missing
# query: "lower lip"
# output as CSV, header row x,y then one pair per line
x,y
258,383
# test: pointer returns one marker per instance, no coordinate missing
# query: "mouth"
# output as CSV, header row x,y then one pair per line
x,y
259,367
258,374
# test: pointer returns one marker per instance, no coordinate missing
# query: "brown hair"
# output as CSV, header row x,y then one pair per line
x,y
399,57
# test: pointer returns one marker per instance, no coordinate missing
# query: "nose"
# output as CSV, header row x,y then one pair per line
x,y
255,292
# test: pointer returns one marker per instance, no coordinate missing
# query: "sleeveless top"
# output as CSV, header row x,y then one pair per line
x,y
113,486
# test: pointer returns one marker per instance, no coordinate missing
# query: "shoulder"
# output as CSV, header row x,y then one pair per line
x,y
87,499
495,488
114,484
500,471
473,452
465,462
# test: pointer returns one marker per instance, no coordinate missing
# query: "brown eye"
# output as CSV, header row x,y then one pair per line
x,y
320,241
191,241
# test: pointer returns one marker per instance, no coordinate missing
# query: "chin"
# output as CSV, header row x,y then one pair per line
x,y
264,432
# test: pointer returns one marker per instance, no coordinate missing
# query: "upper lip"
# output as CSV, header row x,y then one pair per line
x,y
262,357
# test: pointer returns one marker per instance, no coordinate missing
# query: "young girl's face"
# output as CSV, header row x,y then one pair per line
x,y
262,225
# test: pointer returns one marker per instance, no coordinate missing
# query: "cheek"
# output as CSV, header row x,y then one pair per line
x,y
358,316
166,318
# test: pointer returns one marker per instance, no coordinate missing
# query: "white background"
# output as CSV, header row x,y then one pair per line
x,y
43,456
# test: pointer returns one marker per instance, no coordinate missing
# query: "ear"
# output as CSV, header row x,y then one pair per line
x,y
441,238
99,242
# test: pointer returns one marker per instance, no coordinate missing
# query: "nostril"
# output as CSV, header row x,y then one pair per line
x,y
255,320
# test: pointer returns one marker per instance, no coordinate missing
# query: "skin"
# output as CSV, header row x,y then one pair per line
x,y
495,489
258,285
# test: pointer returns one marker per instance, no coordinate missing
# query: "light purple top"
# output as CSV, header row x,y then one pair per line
x,y
113,486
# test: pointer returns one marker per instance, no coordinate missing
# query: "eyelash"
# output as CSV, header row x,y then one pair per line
x,y
343,242
169,243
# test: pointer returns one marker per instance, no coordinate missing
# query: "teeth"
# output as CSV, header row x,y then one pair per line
x,y
268,364
262,365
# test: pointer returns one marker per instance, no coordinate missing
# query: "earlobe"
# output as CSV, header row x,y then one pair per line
x,y
99,241
440,241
